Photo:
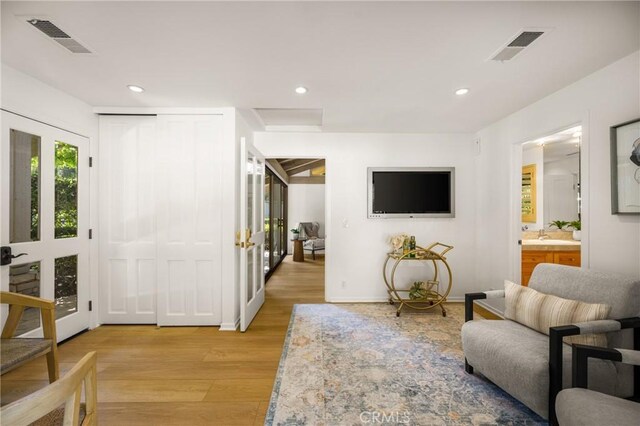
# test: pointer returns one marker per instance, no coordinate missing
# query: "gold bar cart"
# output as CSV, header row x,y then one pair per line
x,y
433,296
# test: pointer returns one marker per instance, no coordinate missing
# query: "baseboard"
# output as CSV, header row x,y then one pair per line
x,y
380,300
230,326
352,300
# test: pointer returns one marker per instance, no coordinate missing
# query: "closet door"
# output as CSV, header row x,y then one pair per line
x,y
189,220
127,166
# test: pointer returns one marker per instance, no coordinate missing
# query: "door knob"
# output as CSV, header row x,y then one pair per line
x,y
6,257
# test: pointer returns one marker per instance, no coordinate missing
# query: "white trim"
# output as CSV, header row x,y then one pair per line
x,y
228,326
275,172
160,110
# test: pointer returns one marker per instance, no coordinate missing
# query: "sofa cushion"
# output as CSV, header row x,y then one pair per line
x,y
583,407
516,358
541,311
620,292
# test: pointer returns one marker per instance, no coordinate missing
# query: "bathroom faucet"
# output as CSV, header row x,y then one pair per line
x,y
542,235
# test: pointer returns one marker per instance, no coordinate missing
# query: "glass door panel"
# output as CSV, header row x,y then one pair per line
x,y
24,221
276,205
66,190
25,279
66,281
267,223
250,227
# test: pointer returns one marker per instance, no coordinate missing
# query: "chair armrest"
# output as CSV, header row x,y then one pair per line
x,y
18,299
470,297
556,334
582,353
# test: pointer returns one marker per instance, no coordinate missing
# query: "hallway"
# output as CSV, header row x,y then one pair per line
x,y
186,375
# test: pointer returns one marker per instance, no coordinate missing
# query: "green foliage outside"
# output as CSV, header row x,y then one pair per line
x,y
66,184
35,196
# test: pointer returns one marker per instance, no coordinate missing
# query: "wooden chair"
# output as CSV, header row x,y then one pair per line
x,y
59,402
17,351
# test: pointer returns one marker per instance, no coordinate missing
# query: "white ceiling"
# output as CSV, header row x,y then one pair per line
x,y
373,67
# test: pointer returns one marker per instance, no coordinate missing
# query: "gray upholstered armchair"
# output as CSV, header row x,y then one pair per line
x,y
534,367
309,231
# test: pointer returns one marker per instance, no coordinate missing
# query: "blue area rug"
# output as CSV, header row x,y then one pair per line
x,y
354,364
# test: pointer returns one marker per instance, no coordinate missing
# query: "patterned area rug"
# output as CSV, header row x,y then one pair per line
x,y
354,364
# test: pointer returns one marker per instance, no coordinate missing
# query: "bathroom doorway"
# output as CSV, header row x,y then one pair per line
x,y
550,201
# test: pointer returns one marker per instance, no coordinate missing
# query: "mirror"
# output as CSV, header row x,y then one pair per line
x,y
529,194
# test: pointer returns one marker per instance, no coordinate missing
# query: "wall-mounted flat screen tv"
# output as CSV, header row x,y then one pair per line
x,y
411,192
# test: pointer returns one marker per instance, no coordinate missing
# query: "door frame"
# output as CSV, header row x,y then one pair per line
x,y
515,222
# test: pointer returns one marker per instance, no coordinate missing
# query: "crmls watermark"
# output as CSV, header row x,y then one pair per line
x,y
393,417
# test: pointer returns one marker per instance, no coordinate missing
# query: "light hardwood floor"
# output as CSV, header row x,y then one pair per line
x,y
186,375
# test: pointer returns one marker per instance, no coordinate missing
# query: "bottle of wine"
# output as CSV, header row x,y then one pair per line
x,y
405,246
412,246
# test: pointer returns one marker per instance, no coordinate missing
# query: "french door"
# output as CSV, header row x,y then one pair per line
x,y
251,234
44,221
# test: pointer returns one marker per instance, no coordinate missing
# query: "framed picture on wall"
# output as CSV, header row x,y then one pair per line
x,y
625,168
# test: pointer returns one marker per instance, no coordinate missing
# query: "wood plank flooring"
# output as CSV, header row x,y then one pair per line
x,y
186,375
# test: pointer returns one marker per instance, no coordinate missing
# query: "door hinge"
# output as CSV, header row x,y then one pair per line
x,y
90,161
90,305
90,234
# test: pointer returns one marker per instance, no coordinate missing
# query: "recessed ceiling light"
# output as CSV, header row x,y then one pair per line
x,y
301,90
136,89
462,91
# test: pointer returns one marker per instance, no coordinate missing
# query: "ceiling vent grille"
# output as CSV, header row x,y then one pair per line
x,y
517,44
63,39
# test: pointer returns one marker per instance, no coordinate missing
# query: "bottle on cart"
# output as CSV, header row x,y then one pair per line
x,y
405,247
412,246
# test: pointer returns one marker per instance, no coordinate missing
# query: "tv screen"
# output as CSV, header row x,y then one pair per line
x,y
411,192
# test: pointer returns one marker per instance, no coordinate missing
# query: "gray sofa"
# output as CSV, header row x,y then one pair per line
x,y
534,367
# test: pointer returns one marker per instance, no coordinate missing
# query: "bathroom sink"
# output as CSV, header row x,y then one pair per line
x,y
550,242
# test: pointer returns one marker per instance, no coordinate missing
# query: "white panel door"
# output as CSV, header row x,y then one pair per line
x,y
189,220
128,156
44,219
251,235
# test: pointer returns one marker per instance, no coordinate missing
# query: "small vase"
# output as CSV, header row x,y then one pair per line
x,y
577,235
294,236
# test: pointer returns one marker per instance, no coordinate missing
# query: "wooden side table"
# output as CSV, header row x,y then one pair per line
x,y
298,250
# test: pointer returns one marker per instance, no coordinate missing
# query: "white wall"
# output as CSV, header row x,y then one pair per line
x,y
306,204
535,155
24,95
356,246
606,98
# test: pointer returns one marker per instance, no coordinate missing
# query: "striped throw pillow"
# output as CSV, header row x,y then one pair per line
x,y
540,311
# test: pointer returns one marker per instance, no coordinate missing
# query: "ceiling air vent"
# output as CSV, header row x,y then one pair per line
x,y
63,39
517,44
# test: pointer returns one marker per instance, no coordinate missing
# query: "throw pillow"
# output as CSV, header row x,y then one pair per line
x,y
540,311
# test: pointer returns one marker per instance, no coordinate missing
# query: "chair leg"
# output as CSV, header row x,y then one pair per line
x,y
467,367
52,366
49,332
